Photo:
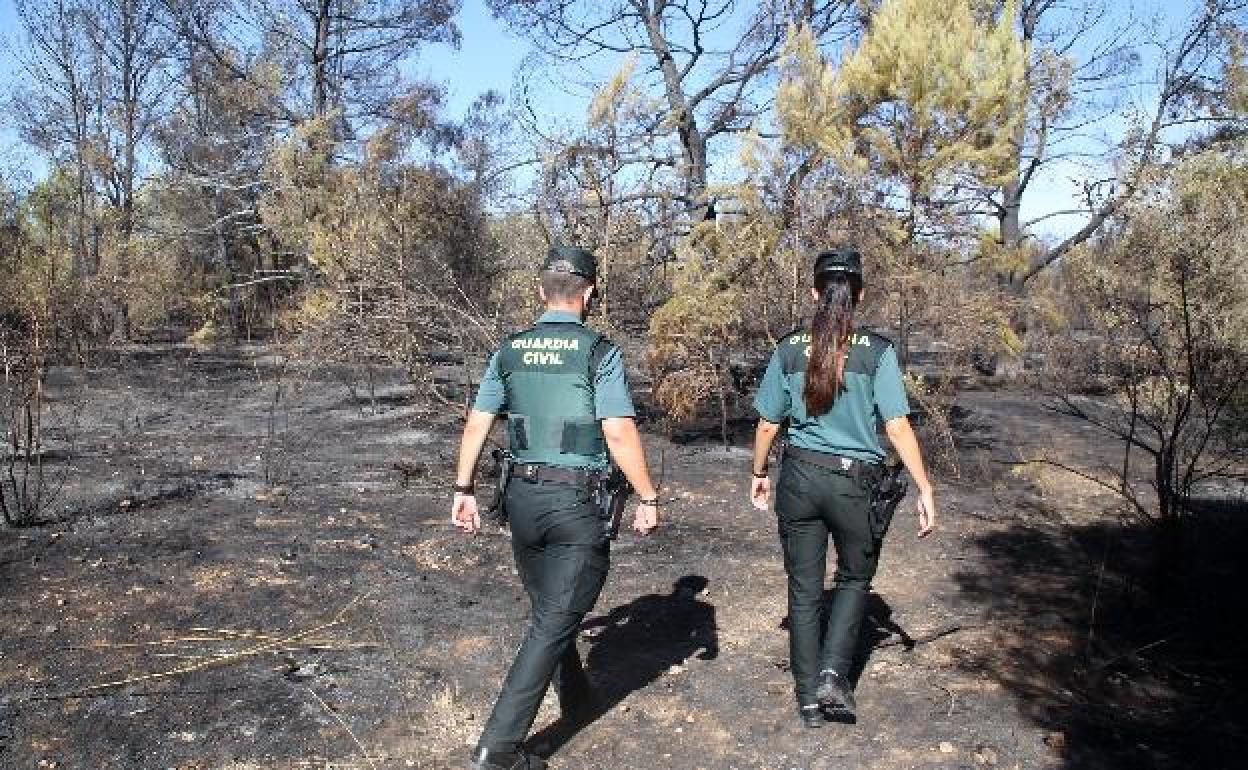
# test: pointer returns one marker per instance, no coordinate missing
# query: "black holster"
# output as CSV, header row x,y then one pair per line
x,y
888,488
610,491
496,511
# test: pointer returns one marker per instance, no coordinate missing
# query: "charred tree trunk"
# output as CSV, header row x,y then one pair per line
x,y
692,139
320,60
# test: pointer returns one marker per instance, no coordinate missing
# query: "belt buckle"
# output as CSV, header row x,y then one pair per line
x,y
846,463
530,473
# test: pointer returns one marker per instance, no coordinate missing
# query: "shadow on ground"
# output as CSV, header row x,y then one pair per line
x,y
1122,641
634,644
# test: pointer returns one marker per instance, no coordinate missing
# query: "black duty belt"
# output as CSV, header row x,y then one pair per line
x,y
534,472
850,466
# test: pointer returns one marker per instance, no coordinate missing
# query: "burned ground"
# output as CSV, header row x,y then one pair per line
x,y
253,568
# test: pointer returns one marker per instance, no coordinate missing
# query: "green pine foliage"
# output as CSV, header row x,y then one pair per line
x,y
925,108
932,92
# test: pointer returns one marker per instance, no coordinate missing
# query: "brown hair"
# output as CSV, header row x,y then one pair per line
x,y
559,286
829,339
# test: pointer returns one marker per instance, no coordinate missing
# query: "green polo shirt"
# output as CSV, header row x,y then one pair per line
x,y
851,427
611,392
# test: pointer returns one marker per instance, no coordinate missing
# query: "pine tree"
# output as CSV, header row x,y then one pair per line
x,y
925,106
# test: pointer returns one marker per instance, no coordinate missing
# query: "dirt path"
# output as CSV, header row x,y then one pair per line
x,y
296,565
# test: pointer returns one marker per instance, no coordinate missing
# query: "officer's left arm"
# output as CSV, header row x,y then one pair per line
x,y
491,401
760,486
464,508
772,403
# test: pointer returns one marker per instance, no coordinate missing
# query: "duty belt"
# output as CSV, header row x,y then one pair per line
x,y
535,472
850,466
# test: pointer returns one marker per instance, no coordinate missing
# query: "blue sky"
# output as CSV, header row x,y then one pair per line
x,y
490,57
487,58
9,149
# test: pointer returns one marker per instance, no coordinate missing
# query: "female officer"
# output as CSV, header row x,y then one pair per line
x,y
832,383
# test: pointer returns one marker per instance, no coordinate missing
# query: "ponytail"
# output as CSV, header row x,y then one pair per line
x,y
829,340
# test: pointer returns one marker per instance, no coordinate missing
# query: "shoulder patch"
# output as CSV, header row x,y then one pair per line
x,y
877,339
514,335
504,348
798,336
597,352
866,350
794,350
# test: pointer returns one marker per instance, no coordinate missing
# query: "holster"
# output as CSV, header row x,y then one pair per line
x,y
610,493
888,488
496,511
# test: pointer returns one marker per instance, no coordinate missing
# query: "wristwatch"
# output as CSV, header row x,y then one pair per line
x,y
465,489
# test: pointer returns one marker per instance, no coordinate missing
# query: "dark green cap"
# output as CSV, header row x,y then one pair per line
x,y
842,260
570,259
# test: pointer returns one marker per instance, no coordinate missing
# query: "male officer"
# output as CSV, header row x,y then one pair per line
x,y
563,389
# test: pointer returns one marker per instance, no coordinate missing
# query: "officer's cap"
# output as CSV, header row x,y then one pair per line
x,y
841,260
570,259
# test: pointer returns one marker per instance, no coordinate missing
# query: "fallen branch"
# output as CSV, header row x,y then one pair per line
x,y
1132,653
274,645
139,694
910,643
345,726
305,644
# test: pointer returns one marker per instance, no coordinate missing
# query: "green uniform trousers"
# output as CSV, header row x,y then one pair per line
x,y
562,555
813,502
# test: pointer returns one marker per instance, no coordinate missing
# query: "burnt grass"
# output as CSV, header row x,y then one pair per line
x,y
252,567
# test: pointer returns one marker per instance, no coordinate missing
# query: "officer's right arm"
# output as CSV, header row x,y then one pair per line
x,y
902,437
893,408
624,442
613,406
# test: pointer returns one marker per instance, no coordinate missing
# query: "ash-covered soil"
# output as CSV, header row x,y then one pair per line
x,y
254,568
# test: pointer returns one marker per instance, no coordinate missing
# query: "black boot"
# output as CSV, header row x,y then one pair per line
x,y
811,716
835,694
485,759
